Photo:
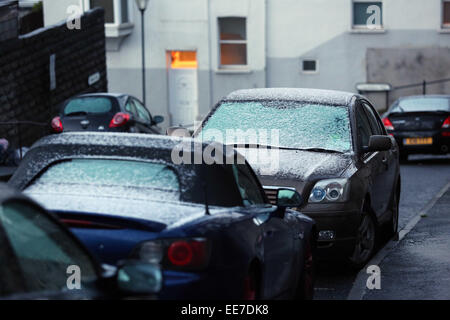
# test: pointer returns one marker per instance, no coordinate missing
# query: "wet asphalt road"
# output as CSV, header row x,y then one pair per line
x,y
422,178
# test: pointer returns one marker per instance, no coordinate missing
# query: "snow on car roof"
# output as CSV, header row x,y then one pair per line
x,y
293,94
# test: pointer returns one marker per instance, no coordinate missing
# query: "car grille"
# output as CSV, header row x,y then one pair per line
x,y
272,195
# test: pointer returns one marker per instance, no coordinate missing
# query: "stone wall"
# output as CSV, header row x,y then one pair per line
x,y
25,87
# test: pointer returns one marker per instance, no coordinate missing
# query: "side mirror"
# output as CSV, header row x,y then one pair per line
x,y
178,132
139,278
158,119
288,198
379,143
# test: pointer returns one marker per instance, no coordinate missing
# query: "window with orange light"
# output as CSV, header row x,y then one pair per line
x,y
233,41
183,60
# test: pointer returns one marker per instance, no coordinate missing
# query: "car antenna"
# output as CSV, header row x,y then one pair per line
x,y
205,189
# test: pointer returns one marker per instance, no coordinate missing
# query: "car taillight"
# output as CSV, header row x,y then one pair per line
x,y
119,120
187,253
57,126
446,124
388,124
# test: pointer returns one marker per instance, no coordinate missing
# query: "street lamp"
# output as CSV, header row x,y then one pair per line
x,y
142,5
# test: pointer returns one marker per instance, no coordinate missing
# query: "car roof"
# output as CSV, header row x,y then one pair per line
x,y
114,139
137,147
425,96
103,94
293,94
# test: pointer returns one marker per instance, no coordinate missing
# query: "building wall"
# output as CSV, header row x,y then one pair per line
x,y
323,31
281,33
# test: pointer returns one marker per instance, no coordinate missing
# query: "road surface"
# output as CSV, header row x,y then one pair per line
x,y
422,178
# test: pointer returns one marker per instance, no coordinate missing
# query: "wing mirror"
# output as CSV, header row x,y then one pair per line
x,y
158,119
288,198
139,278
178,132
378,143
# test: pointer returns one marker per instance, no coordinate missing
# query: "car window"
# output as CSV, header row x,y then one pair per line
x,y
88,105
44,251
282,124
363,128
129,107
142,111
375,125
249,189
109,177
420,104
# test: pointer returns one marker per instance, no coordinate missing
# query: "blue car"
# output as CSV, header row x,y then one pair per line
x,y
209,225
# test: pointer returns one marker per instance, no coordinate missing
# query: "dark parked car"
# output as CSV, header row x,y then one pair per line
x,y
331,147
420,124
210,226
40,257
105,112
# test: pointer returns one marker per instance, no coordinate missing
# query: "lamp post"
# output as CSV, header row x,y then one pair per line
x,y
142,5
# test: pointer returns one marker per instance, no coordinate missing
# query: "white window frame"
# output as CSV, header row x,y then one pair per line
x,y
117,12
444,25
232,66
310,71
364,28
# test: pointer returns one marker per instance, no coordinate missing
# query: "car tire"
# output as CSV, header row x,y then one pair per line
x,y
393,223
365,242
305,287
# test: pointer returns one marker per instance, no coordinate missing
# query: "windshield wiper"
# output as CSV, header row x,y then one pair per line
x,y
257,145
321,150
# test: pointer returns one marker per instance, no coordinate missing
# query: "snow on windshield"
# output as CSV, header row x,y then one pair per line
x,y
141,180
299,125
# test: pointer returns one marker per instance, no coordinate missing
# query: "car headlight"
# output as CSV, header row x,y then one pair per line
x,y
330,190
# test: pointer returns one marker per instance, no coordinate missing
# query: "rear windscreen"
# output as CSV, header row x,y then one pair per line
x,y
118,178
422,104
88,105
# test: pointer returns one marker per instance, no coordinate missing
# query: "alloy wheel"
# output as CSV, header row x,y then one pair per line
x,y
365,242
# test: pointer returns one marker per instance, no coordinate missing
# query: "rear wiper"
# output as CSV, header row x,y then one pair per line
x,y
77,113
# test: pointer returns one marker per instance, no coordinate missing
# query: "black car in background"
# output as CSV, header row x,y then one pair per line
x,y
420,124
331,147
105,112
208,223
39,258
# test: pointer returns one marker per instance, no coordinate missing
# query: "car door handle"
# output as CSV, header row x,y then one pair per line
x,y
384,160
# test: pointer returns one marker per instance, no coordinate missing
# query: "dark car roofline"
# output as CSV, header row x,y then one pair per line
x,y
114,139
424,96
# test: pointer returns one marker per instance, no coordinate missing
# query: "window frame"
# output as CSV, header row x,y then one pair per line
x,y
310,71
361,27
220,42
118,18
444,25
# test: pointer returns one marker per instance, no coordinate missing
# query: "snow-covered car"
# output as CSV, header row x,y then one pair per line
x,y
331,146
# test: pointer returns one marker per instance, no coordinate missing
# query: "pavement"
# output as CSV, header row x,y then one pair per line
x,y
418,266
423,179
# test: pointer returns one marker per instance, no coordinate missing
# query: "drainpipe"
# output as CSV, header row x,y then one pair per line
x,y
210,71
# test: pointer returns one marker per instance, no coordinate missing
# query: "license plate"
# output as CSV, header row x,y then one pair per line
x,y
417,141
